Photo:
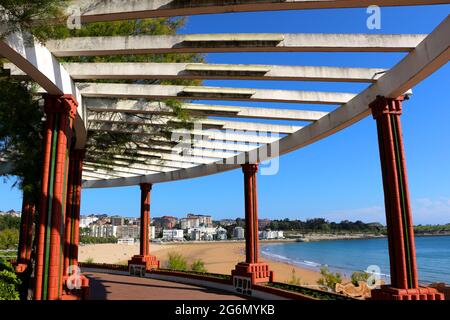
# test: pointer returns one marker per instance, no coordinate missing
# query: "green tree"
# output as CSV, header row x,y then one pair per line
x,y
31,15
9,239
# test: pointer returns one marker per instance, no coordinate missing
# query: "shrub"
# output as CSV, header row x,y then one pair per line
x,y
9,239
9,283
296,281
198,266
90,260
329,279
176,262
359,276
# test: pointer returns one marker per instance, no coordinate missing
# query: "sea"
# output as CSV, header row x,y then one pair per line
x,y
347,256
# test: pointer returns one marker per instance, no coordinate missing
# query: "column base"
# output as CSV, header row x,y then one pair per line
x,y
422,293
257,272
150,262
80,289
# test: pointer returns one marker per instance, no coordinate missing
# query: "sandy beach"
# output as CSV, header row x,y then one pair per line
x,y
219,257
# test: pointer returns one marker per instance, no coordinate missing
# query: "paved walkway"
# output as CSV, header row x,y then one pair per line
x,y
104,286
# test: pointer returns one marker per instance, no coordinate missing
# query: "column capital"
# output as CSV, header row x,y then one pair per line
x,y
250,168
382,105
145,187
66,103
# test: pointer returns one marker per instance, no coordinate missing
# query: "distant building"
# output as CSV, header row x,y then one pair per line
x,y
165,222
221,234
117,221
103,231
152,232
202,233
190,222
11,213
204,220
128,231
227,222
269,234
239,233
173,235
85,221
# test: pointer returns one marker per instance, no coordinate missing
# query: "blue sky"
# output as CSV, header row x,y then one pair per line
x,y
336,178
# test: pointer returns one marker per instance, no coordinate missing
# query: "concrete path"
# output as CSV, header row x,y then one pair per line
x,y
120,287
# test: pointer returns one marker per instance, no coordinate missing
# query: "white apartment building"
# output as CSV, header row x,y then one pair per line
x,y
190,222
103,231
202,233
152,232
173,235
239,233
204,220
221,233
86,221
128,231
271,234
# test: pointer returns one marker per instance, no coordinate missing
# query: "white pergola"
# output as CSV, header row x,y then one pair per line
x,y
255,131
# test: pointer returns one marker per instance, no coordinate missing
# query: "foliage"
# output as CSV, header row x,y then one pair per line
x,y
89,260
432,229
322,225
9,239
8,221
176,262
313,293
198,266
31,16
359,276
92,240
9,283
296,281
329,279
21,132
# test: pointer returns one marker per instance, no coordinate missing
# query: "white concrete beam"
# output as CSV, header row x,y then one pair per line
x,y
94,11
105,117
41,66
143,107
211,134
187,71
246,42
120,90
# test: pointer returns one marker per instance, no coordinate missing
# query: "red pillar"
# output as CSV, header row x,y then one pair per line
x,y
144,257
73,210
26,233
402,253
252,270
60,111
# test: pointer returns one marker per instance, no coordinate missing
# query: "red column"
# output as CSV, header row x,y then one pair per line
x,y
251,212
145,218
402,253
251,269
26,233
144,258
60,111
73,210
